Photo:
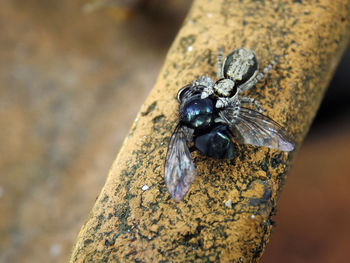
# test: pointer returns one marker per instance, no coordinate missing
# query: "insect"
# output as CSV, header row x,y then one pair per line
x,y
213,116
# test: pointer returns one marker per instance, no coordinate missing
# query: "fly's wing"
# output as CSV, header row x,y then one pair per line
x,y
179,169
252,127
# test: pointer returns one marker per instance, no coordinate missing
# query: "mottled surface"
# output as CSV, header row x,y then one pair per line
x,y
71,84
227,213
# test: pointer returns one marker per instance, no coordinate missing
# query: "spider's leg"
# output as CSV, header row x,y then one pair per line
x,y
251,101
233,108
219,69
224,102
258,76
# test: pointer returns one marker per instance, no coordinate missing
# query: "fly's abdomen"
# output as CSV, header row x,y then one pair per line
x,y
216,144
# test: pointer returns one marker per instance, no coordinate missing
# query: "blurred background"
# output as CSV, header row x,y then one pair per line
x,y
73,75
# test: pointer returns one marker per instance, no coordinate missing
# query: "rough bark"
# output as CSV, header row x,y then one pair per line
x,y
227,214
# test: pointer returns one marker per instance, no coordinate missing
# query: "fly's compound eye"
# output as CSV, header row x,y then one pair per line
x,y
189,91
240,65
181,93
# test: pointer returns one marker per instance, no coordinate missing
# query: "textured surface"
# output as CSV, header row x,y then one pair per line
x,y
71,84
131,223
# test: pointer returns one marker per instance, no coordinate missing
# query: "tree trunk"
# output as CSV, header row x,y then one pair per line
x,y
227,214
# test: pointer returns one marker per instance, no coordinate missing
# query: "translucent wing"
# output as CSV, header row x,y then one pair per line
x,y
252,127
179,170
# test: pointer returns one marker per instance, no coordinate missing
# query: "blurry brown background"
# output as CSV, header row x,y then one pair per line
x,y
73,75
